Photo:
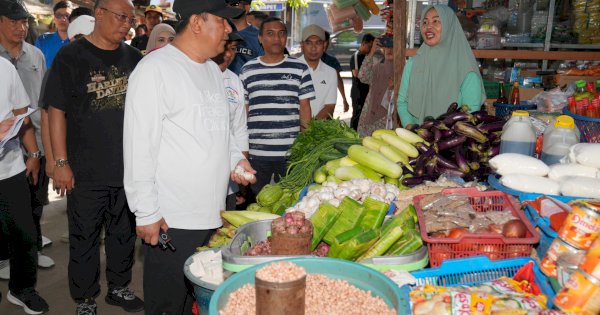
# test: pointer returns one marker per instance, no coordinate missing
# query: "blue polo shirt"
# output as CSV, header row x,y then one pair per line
x,y
49,44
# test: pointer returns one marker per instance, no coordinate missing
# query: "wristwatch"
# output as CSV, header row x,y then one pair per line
x,y
35,155
61,162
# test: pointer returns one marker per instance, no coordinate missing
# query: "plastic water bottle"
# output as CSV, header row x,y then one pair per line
x,y
518,135
558,138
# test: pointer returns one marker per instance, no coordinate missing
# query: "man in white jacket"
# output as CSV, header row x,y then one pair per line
x,y
179,150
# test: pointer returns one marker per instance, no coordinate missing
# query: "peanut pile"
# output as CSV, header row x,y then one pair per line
x,y
280,272
323,296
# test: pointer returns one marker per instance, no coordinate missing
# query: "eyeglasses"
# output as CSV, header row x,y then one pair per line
x,y
122,17
62,16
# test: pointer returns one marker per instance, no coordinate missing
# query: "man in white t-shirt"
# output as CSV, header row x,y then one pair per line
x,y
178,149
16,215
323,76
234,91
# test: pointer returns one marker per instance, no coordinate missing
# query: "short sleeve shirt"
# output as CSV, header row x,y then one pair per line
x,y
331,61
324,80
50,44
273,92
89,84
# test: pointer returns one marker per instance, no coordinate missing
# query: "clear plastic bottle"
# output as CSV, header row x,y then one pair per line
x,y
558,138
518,134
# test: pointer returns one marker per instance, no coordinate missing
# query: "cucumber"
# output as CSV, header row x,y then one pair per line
x,y
372,143
400,144
320,175
377,133
330,155
374,160
342,146
369,173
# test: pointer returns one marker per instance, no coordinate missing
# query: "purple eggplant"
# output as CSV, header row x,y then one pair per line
x,y
430,166
493,151
493,136
444,162
473,147
416,180
412,161
425,134
428,124
484,117
439,124
422,147
465,108
452,108
461,161
454,117
491,127
447,133
450,143
469,131
437,134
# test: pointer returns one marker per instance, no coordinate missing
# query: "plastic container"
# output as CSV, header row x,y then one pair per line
x,y
474,271
467,245
547,234
274,298
203,291
358,275
251,233
588,127
518,134
558,138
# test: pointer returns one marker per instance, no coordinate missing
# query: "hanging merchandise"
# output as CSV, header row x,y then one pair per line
x,y
586,14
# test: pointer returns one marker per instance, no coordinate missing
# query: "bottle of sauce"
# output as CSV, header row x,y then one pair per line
x,y
502,98
515,99
558,138
518,134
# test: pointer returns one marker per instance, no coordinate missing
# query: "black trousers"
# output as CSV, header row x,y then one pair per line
x,y
89,208
166,290
39,195
357,106
16,222
264,171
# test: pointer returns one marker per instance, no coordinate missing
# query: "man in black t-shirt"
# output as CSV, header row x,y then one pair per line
x,y
85,93
359,90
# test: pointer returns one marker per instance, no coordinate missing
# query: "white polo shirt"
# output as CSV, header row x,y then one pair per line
x,y
324,80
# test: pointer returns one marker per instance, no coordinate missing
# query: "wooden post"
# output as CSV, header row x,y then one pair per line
x,y
400,18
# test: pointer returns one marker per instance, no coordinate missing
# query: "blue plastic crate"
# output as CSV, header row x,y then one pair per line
x,y
473,271
547,234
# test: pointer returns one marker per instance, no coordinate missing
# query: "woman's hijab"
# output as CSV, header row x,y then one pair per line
x,y
156,31
438,71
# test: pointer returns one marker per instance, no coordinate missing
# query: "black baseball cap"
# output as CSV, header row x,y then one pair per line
x,y
187,8
13,10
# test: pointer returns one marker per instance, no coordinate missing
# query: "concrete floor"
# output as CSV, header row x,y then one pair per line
x,y
53,284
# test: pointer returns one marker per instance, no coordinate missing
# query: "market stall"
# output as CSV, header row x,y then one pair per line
x,y
466,212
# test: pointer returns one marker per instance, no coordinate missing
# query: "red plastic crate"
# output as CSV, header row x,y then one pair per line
x,y
494,246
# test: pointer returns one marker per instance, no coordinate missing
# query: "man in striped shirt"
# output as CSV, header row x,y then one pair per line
x,y
278,90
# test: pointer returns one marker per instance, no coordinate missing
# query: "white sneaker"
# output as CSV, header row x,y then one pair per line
x,y
46,241
5,269
44,261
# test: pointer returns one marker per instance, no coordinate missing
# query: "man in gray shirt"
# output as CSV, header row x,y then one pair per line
x,y
31,66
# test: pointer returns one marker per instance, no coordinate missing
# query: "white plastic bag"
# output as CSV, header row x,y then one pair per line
x,y
579,186
514,163
531,184
587,154
557,171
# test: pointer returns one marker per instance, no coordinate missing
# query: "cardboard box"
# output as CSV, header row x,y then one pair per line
x,y
528,93
565,79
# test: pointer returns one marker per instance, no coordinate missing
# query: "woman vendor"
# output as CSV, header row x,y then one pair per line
x,y
443,71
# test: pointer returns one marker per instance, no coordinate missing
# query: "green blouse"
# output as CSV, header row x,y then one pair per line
x,y
469,94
